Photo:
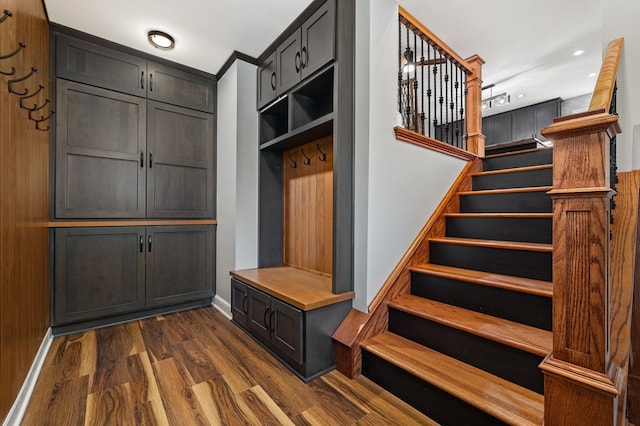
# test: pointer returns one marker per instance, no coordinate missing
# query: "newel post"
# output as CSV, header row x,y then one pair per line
x,y
475,141
581,383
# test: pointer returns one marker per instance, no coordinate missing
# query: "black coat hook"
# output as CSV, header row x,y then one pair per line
x,y
23,98
307,160
12,72
31,111
322,156
15,52
18,80
6,14
293,162
43,119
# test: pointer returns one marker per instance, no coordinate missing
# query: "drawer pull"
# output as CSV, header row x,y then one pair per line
x,y
244,304
264,319
141,243
297,62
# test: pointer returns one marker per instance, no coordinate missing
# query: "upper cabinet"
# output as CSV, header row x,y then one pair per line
x,y
305,51
90,63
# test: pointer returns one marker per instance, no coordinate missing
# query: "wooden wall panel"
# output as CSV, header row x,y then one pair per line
x,y
24,174
308,206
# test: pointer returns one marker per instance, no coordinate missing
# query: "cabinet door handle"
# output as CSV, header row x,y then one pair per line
x,y
306,57
273,80
141,243
151,82
141,158
244,304
264,319
150,159
142,80
297,62
149,243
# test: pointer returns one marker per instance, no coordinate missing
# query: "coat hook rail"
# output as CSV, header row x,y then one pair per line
x,y
44,119
15,52
307,160
18,80
31,111
6,14
322,156
294,164
23,98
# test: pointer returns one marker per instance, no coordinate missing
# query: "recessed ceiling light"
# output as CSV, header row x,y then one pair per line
x,y
593,74
578,52
161,40
521,95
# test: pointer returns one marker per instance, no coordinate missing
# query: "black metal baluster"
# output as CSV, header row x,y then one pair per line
x,y
408,106
422,65
429,86
458,122
613,166
415,81
399,65
447,124
441,97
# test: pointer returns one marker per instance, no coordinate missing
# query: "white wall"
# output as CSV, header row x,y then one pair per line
x,y
404,183
620,19
237,177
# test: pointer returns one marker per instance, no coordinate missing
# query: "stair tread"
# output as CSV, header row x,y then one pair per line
x,y
507,190
500,398
509,282
509,245
502,215
505,154
510,333
513,170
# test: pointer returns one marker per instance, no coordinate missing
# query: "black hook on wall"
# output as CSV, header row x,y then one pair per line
x,y
322,156
6,14
293,162
15,52
18,80
307,160
42,118
23,98
31,111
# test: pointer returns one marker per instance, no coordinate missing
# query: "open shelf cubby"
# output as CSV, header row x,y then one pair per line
x,y
274,120
313,100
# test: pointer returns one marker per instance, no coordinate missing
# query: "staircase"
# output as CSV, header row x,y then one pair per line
x,y
464,346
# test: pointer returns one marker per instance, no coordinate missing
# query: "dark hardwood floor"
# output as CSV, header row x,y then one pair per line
x,y
195,368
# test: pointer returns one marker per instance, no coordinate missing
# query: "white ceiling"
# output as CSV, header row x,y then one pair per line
x,y
527,45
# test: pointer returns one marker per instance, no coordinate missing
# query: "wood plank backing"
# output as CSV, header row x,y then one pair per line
x,y
204,371
24,208
500,398
520,336
508,282
308,206
302,289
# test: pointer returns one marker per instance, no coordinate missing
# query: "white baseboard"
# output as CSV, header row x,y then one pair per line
x,y
22,400
222,305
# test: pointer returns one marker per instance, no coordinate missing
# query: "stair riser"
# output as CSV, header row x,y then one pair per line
x,y
430,400
516,202
511,364
511,305
532,230
520,263
525,159
541,177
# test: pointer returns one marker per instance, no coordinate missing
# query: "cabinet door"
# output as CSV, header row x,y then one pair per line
x,y
267,73
89,63
100,146
180,263
98,272
289,63
239,301
523,123
180,172
501,128
544,115
318,45
259,312
286,330
179,87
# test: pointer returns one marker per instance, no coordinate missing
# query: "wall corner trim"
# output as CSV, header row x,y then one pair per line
x,y
223,306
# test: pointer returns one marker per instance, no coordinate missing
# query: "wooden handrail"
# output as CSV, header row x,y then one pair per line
x,y
409,19
602,93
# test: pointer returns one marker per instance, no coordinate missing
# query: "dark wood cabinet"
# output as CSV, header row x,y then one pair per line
x,y
239,302
100,149
98,272
522,123
267,79
178,87
106,271
180,164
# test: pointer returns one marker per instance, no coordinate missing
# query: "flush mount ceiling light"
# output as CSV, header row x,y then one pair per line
x,y
161,40
578,52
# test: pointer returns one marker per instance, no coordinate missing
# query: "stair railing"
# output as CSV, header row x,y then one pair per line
x,y
583,383
439,92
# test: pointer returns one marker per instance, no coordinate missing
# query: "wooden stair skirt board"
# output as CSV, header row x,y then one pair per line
x,y
308,206
465,344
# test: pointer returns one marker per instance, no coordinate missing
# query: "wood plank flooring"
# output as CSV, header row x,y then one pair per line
x,y
195,368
